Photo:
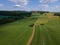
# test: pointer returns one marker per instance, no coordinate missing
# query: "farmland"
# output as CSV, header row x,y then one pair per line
x,y
47,30
18,32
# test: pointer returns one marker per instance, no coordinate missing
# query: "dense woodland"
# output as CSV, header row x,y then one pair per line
x,y
10,16
41,12
57,14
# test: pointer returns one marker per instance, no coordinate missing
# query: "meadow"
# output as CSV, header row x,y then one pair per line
x,y
47,32
18,32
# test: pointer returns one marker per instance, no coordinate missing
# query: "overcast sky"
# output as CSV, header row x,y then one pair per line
x,y
29,5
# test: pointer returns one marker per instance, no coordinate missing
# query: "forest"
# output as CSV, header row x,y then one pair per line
x,y
10,16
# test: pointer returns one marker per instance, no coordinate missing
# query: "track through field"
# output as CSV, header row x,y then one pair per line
x,y
48,33
33,32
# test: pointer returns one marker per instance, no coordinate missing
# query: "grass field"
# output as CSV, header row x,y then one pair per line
x,y
47,31
17,33
47,34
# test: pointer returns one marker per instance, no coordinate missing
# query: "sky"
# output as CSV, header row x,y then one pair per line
x,y
30,5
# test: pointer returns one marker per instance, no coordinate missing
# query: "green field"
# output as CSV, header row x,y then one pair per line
x,y
47,34
17,33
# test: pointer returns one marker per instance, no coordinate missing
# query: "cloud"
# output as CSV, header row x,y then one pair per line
x,y
43,5
55,8
1,5
51,8
20,2
17,5
47,1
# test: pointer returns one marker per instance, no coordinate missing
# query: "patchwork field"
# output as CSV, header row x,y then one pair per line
x,y
46,26
48,31
17,33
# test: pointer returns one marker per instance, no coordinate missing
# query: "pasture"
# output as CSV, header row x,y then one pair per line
x,y
49,33
47,30
18,32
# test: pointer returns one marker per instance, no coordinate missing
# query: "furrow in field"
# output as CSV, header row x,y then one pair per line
x,y
47,37
43,34
33,32
30,39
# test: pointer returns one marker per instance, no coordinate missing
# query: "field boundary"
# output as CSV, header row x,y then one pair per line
x,y
31,37
33,32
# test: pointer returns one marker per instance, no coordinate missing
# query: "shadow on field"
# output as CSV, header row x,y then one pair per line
x,y
42,24
31,25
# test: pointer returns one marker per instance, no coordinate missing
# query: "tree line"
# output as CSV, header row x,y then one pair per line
x,y
10,16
